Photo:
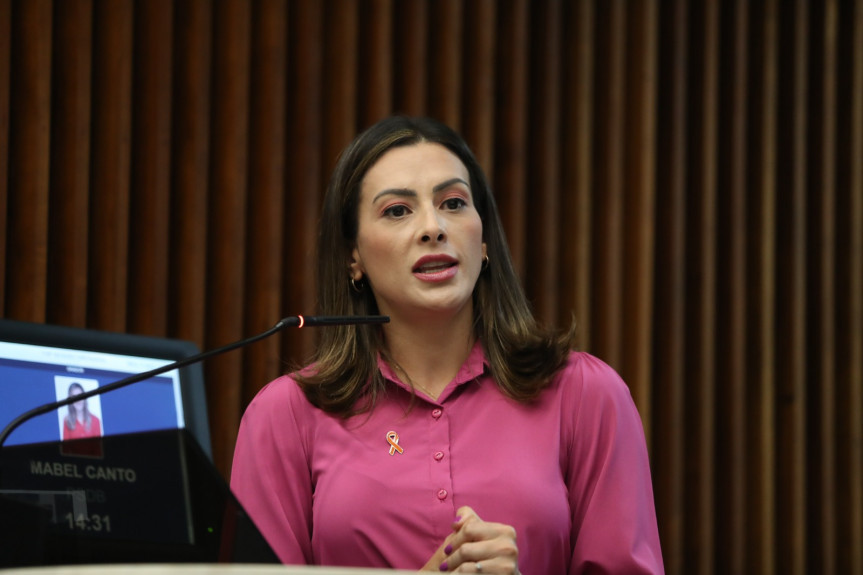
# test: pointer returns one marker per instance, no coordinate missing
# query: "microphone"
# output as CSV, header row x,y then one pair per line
x,y
292,321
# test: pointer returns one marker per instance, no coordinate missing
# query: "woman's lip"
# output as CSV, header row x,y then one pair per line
x,y
439,259
439,275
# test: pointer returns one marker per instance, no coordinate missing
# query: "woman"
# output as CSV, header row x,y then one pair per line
x,y
460,436
79,422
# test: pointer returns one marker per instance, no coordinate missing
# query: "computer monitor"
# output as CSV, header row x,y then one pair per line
x,y
42,363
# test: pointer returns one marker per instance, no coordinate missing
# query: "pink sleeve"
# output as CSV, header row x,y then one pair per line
x,y
614,526
270,474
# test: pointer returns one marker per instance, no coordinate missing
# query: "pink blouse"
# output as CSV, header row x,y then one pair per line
x,y
569,472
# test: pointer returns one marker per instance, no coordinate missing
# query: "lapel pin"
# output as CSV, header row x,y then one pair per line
x,y
393,440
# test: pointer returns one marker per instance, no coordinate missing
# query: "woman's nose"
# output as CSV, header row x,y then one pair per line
x,y
432,228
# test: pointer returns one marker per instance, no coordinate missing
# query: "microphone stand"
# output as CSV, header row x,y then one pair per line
x,y
292,321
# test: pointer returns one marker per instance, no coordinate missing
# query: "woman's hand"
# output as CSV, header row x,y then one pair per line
x,y
476,546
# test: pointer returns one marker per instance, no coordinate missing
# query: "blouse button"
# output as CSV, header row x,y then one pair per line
x,y
436,413
438,456
442,494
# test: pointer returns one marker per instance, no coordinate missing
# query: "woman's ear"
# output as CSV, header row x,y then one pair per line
x,y
356,265
484,250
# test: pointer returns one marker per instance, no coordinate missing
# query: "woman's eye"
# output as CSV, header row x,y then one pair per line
x,y
454,203
396,211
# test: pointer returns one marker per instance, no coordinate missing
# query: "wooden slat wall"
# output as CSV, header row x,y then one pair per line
x,y
820,411
731,287
190,178
760,412
70,168
848,482
684,178
5,62
29,157
668,379
110,180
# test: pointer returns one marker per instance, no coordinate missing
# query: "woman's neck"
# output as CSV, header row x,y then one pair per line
x,y
429,354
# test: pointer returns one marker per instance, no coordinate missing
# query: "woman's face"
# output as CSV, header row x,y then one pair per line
x,y
75,391
419,239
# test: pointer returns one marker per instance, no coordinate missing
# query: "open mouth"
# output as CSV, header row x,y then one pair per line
x,y
433,267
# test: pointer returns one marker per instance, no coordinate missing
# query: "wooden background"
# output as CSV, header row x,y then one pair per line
x,y
686,178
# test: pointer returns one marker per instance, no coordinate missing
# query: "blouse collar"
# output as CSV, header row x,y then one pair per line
x,y
473,367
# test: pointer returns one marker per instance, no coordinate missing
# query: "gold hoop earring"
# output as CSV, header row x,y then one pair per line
x,y
355,287
484,263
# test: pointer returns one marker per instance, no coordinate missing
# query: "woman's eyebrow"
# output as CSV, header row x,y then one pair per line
x,y
407,193
448,183
402,192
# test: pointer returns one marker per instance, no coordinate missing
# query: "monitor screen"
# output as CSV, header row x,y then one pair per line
x,y
41,363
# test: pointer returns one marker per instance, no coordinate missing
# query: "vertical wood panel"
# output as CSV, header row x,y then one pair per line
x,y
731,287
411,57
543,191
151,169
479,81
70,163
29,149
190,175
608,191
761,219
5,65
229,165
849,284
375,62
639,201
791,292
854,526
304,179
820,265
701,279
669,349
577,168
445,41
266,256
510,176
112,135
340,78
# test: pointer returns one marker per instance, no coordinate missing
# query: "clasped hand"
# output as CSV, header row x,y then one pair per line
x,y
476,546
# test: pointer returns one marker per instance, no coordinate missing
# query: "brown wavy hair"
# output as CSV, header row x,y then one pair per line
x,y
344,378
71,419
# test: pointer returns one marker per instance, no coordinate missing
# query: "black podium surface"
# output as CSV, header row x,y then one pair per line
x,y
149,497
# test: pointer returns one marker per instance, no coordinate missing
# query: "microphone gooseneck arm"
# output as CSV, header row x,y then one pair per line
x,y
292,321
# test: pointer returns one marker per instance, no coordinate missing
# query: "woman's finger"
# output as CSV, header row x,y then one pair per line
x,y
464,515
481,542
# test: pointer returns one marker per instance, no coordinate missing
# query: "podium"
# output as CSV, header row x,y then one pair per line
x,y
210,569
138,498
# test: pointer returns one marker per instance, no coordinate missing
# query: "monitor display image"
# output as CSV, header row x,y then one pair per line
x,y
41,363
